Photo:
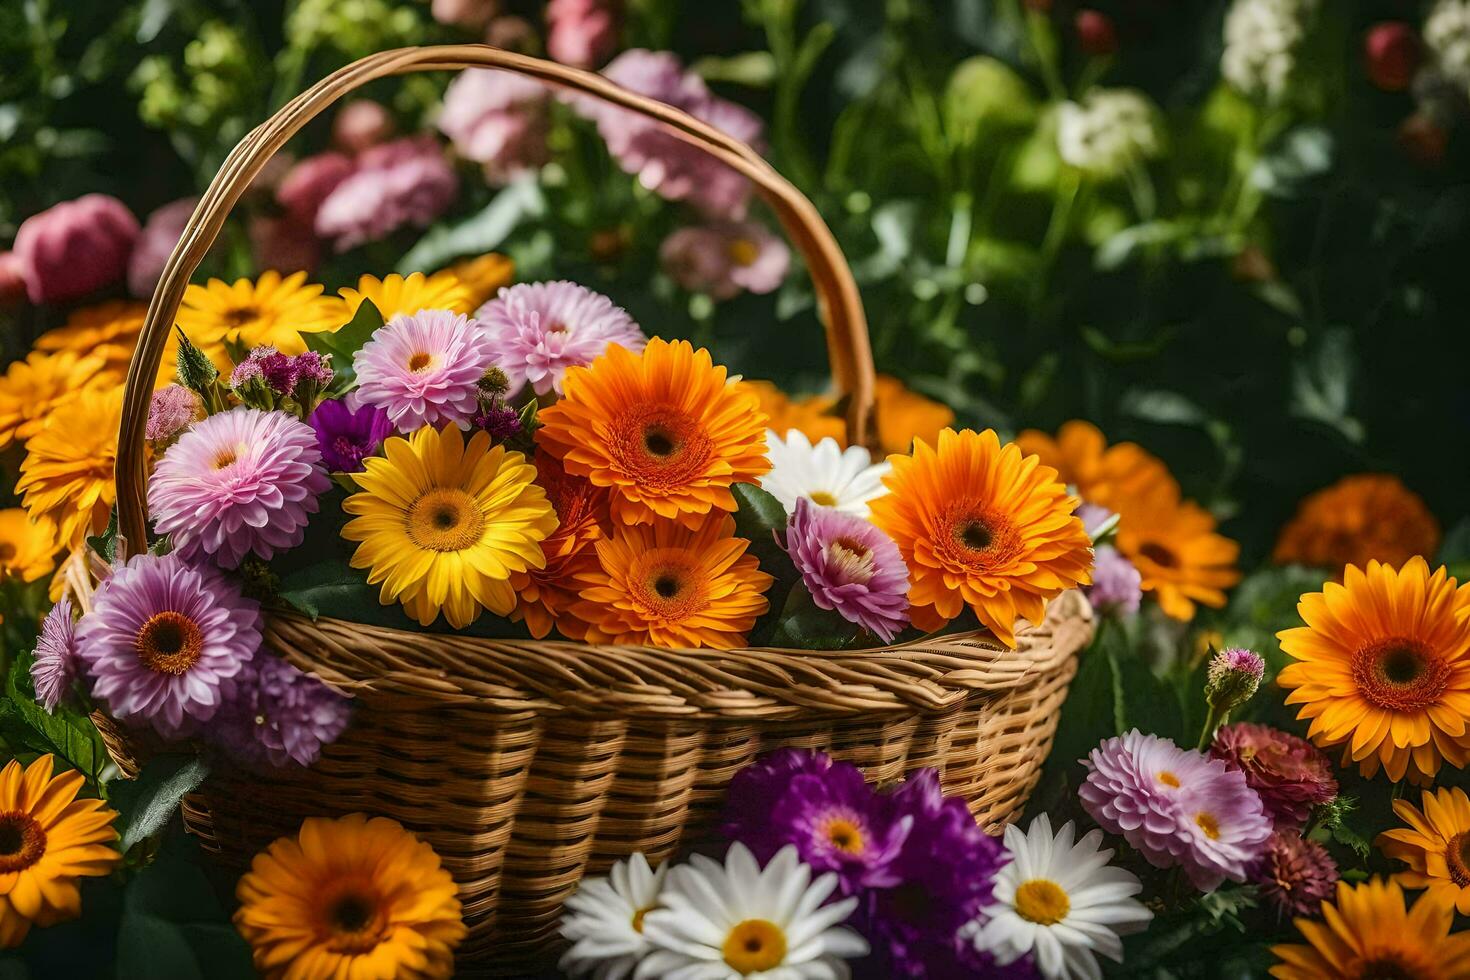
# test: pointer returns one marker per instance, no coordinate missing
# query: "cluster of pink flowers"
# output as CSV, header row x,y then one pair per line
x,y
404,183
498,119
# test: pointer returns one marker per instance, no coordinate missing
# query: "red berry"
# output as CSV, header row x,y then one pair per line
x,y
1095,34
1391,50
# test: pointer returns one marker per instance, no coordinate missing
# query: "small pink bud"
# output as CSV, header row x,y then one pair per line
x,y
361,124
1095,33
1392,53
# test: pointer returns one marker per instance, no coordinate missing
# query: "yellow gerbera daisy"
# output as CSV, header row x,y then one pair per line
x,y
1384,668
67,475
48,839
983,526
482,276
665,429
443,524
667,585
355,897
30,389
27,547
397,294
1435,845
109,330
271,310
1368,933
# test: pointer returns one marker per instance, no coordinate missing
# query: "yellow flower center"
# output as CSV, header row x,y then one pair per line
x,y
823,499
743,251
1168,778
354,921
1208,824
169,643
228,456
850,560
844,834
1042,902
755,946
1457,856
22,841
420,362
445,519
638,918
1400,674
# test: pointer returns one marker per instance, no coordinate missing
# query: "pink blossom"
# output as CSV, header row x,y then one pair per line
x,y
724,259
496,118
75,247
581,32
310,182
472,15
361,124
161,232
407,182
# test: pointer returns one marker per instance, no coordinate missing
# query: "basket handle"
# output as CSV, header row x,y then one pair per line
x,y
840,305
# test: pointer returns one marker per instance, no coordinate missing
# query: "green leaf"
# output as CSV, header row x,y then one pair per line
x,y
1321,385
68,733
340,345
759,517
803,625
105,544
483,232
145,805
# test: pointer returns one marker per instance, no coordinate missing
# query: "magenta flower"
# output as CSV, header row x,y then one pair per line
x,y
722,260
347,437
75,247
360,124
425,369
165,642
156,243
540,329
172,410
55,666
310,182
1295,875
756,789
849,565
1291,774
405,183
1176,807
498,119
1116,585
581,32
279,715
663,163
238,482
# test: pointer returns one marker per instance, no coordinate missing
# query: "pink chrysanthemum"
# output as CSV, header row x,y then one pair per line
x,y
172,410
849,565
165,641
425,369
238,482
1290,774
55,666
279,715
1176,807
1295,875
540,329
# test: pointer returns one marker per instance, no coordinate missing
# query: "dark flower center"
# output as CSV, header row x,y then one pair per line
x,y
1159,555
22,841
975,535
445,519
243,315
1399,674
659,442
7,551
1387,968
169,643
1457,856
666,586
352,913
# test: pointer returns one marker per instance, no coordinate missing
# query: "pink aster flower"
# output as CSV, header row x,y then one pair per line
x,y
156,243
172,410
498,119
581,32
1116,584
279,715
75,247
1295,876
55,666
1291,774
724,259
540,329
165,641
405,183
1176,807
238,482
849,565
424,369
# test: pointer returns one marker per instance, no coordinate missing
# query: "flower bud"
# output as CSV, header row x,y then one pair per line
x,y
1392,53
1095,33
1232,678
361,124
495,383
75,247
172,410
581,32
196,372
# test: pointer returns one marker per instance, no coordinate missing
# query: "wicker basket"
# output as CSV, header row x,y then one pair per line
x,y
527,764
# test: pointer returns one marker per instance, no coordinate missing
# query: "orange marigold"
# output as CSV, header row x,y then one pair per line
x,y
666,585
981,524
543,595
1358,518
665,429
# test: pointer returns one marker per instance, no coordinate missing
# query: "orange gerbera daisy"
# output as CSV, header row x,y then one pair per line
x,y
1384,668
67,475
1370,515
1117,477
31,388
48,839
982,525
813,415
1435,845
543,595
109,330
1179,557
1368,933
666,585
665,429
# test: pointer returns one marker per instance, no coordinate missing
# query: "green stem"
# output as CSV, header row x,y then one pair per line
x,y
1213,720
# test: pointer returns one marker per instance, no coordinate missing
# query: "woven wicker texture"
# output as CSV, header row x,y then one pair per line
x,y
528,765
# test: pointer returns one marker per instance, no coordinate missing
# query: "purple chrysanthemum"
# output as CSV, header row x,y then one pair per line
x,y
347,437
539,329
279,715
847,564
165,642
1295,876
55,666
425,369
238,482
945,872
1176,807
1116,585
1290,774
172,410
827,810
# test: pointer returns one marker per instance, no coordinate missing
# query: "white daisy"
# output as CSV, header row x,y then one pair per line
x,y
604,920
1061,900
826,474
738,922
